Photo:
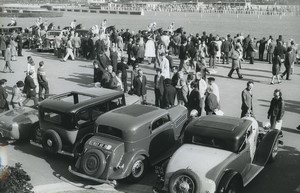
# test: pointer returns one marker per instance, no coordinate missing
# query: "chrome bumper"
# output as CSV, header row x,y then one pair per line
x,y
110,182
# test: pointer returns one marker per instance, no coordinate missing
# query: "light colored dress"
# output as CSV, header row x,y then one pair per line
x,y
150,49
219,44
13,47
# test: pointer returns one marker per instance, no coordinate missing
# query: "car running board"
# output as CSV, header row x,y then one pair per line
x,y
252,172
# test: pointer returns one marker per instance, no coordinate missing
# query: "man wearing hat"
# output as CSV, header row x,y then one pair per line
x,y
29,89
17,96
3,96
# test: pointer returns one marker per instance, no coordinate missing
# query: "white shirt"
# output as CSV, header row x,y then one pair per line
x,y
165,67
202,87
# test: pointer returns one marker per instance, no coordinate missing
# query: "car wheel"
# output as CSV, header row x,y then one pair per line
x,y
93,163
233,187
184,181
274,152
37,133
51,141
138,169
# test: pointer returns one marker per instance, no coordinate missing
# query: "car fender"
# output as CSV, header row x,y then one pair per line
x,y
129,158
227,177
264,150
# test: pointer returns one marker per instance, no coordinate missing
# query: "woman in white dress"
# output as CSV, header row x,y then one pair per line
x,y
219,43
150,50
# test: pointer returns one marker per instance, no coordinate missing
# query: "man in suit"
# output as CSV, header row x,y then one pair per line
x,y
139,85
29,89
247,95
7,59
194,100
211,102
251,51
270,50
212,51
122,66
20,43
2,44
225,48
3,96
42,80
158,87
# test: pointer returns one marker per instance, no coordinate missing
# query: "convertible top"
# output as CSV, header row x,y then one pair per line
x,y
218,131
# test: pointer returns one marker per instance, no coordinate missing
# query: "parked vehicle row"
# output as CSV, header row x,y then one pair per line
x,y
112,141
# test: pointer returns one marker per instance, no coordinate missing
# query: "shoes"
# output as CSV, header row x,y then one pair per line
x,y
272,83
229,76
298,128
281,76
12,72
63,60
279,82
240,77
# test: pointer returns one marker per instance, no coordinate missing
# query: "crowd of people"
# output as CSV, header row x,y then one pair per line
x,y
186,84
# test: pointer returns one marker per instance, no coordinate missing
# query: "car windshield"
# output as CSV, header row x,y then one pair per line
x,y
111,131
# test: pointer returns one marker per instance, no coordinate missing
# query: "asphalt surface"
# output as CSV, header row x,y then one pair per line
x,y
50,173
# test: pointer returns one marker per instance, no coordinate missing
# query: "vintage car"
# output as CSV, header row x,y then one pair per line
x,y
67,120
224,155
20,124
48,40
129,139
8,30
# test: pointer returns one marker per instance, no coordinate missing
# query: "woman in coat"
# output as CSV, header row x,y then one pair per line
x,y
276,110
150,50
235,56
13,49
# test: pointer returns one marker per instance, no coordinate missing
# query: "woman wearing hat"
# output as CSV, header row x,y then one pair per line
x,y
17,96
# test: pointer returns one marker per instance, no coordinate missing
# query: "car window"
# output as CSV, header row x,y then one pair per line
x,y
111,131
53,117
159,122
83,117
99,110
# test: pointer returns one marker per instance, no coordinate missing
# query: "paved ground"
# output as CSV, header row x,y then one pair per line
x,y
49,174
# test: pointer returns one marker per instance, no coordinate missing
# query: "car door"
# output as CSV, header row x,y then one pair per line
x,y
161,139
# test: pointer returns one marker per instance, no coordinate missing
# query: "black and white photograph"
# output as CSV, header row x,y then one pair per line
x,y
149,96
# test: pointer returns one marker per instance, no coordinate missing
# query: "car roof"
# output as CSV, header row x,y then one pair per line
x,y
89,96
131,117
229,129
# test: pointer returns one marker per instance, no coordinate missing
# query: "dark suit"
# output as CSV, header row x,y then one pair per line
x,y
3,101
158,90
140,86
169,96
20,44
29,90
194,101
251,52
226,47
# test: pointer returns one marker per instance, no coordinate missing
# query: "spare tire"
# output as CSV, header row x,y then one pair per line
x,y
51,141
184,180
93,163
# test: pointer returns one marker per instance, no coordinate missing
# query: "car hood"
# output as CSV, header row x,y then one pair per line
x,y
206,162
20,115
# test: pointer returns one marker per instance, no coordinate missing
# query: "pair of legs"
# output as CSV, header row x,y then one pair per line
x,y
69,53
7,66
226,57
237,71
212,61
43,86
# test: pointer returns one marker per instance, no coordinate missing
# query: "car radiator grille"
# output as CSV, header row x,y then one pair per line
x,y
180,120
